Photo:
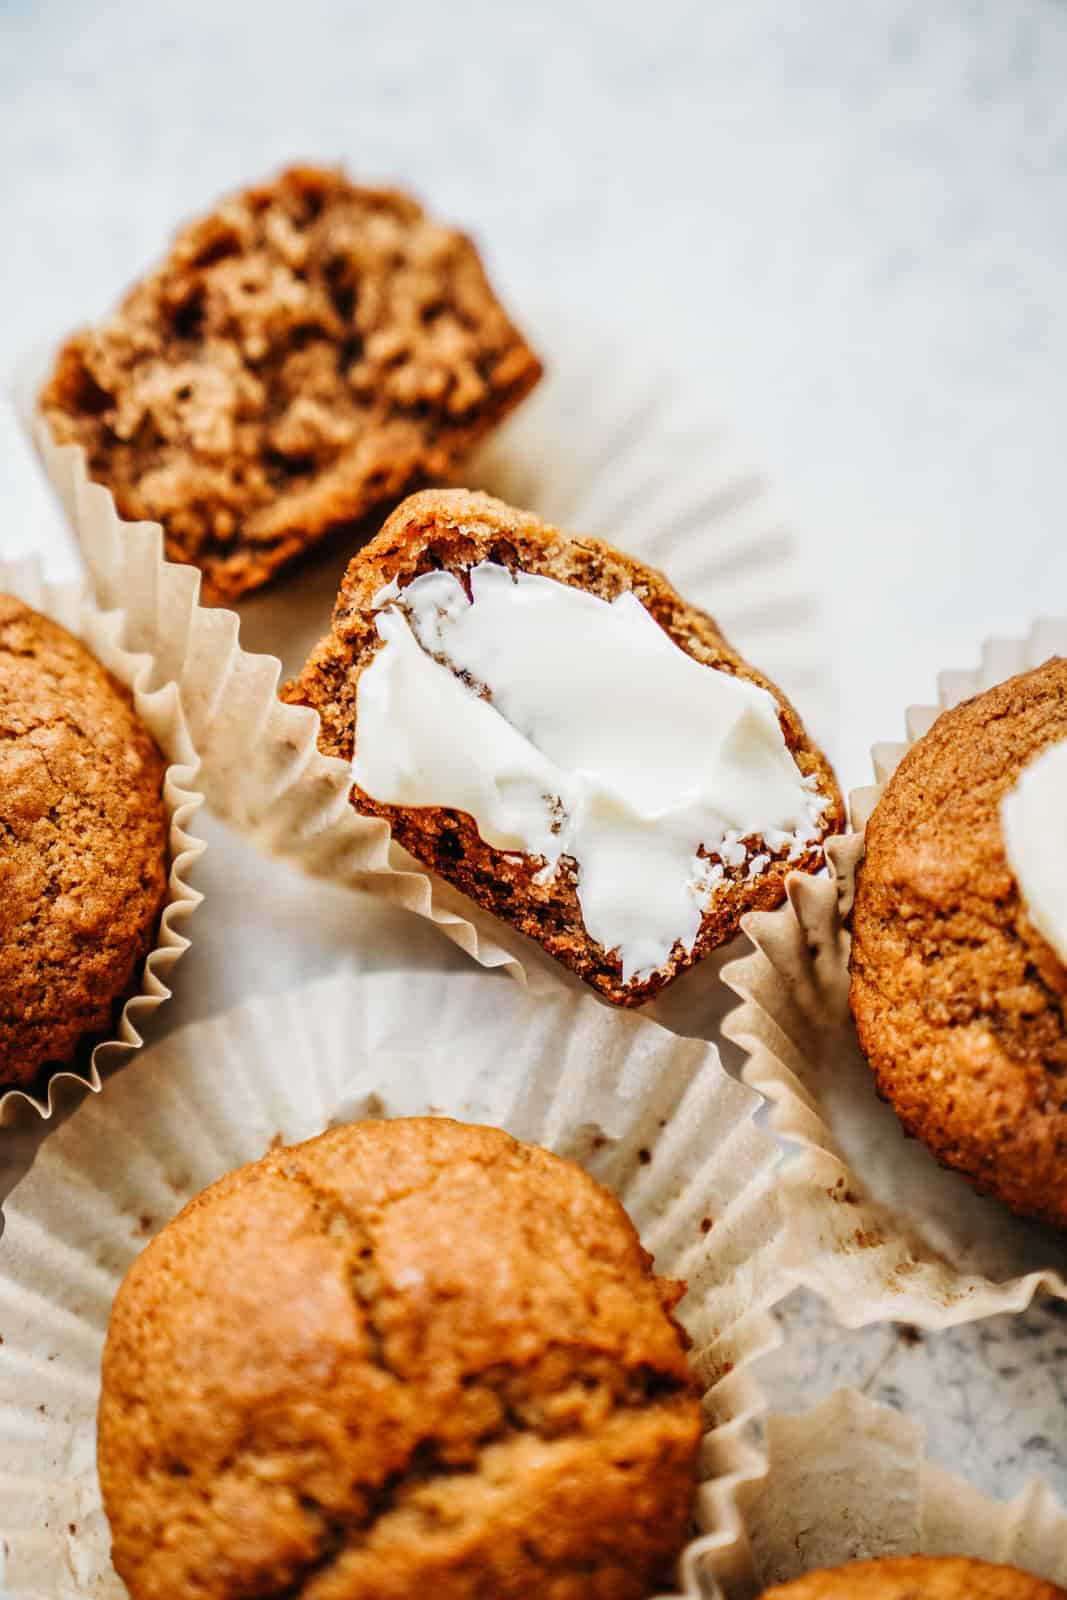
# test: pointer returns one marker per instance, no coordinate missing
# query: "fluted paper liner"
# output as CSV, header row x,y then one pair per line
x,y
848,1481
874,1224
652,1116
606,446
104,634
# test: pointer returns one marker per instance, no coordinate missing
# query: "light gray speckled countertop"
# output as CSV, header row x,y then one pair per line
x,y
852,221
991,1395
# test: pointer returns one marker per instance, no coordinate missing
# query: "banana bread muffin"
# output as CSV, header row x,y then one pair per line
x,y
83,845
306,351
404,1358
917,1578
547,724
959,1002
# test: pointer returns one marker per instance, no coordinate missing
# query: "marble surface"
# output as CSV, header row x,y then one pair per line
x,y
850,223
991,1396
850,218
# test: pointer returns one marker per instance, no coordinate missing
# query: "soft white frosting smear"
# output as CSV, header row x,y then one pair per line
x,y
1035,839
579,728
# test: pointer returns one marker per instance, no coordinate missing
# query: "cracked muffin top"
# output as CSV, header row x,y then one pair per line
x,y
307,351
959,1002
407,1357
83,844
917,1578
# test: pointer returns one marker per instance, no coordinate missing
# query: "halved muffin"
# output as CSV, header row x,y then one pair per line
x,y
307,351
547,724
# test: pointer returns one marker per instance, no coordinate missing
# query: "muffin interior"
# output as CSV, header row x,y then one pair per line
x,y
452,532
306,351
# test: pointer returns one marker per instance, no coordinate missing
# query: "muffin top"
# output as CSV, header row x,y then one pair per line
x,y
917,1578
959,1002
83,843
408,1357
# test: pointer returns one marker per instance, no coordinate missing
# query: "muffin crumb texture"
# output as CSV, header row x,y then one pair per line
x,y
83,844
453,530
305,352
405,1358
959,1003
917,1578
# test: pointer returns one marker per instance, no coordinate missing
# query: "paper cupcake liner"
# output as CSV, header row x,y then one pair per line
x,y
602,447
875,1225
653,1117
160,710
847,1481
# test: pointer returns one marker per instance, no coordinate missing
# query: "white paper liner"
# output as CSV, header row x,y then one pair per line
x,y
160,711
874,1224
652,1116
611,444
847,1481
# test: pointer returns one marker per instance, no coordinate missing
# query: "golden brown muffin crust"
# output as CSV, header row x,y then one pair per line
x,y
83,844
959,1002
454,530
917,1578
404,1358
307,351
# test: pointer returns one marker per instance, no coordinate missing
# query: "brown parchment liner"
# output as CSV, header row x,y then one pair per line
x,y
848,1481
608,445
874,1224
160,710
653,1116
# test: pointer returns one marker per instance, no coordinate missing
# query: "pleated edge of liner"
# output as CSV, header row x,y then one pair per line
x,y
184,848
386,869
732,1464
389,871
851,1421
829,899
717,1557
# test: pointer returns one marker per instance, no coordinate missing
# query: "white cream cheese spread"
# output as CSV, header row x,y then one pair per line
x,y
566,725
1035,840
